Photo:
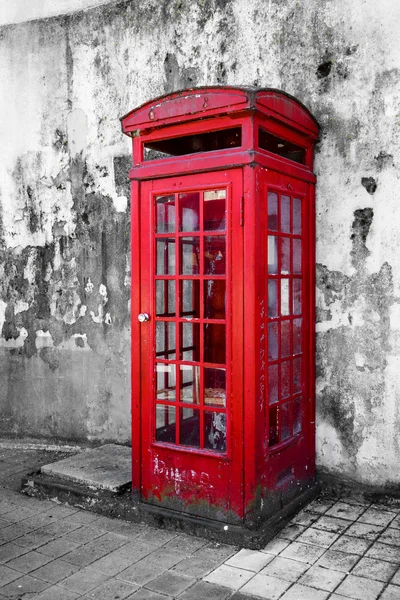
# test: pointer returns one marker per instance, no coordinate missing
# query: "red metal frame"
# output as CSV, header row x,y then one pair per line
x,y
254,477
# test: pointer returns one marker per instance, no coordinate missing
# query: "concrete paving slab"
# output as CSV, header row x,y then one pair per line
x,y
108,467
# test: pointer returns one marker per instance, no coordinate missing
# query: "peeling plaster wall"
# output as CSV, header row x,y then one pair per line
x,y
64,299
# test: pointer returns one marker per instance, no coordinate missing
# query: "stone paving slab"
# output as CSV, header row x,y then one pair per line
x,y
334,549
108,467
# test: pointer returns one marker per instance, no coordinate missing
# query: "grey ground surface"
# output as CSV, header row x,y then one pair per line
x,y
334,549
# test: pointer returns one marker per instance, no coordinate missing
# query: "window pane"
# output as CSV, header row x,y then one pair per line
x,y
297,336
190,256
284,417
190,342
272,341
297,296
285,297
190,298
214,255
165,382
273,384
285,379
296,256
190,384
165,214
297,415
285,214
272,211
285,256
214,299
189,427
285,339
297,375
273,426
297,216
272,299
165,298
165,256
272,254
189,210
165,340
215,387
214,210
215,431
214,343
165,424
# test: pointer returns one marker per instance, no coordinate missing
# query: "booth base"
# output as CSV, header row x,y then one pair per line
x,y
82,481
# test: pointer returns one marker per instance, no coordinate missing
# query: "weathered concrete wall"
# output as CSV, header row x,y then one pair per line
x,y
65,230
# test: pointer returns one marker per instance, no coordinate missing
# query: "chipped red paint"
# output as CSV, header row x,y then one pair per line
x,y
223,451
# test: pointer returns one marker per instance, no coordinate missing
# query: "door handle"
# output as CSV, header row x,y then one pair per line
x,y
143,318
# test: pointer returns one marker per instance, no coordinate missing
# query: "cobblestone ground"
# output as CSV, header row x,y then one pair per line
x,y
333,549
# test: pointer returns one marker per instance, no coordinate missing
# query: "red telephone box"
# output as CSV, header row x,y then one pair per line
x,y
223,302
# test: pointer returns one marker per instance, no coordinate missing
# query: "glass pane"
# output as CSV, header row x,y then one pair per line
x,y
165,214
215,387
285,297
190,298
189,209
272,254
165,340
285,339
190,384
190,342
165,298
273,384
297,336
285,214
165,382
273,426
297,216
297,415
272,211
273,341
297,296
214,343
285,256
214,299
215,431
284,417
296,256
285,379
214,255
189,427
296,375
165,424
214,210
165,256
272,299
190,256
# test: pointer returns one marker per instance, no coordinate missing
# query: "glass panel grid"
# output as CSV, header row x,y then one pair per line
x,y
190,296
284,320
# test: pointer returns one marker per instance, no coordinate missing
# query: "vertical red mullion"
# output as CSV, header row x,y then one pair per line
x,y
228,310
291,319
279,284
201,326
177,322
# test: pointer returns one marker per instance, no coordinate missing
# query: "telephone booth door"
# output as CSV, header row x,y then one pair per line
x,y
191,338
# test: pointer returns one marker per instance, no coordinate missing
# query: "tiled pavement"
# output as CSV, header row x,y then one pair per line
x,y
333,549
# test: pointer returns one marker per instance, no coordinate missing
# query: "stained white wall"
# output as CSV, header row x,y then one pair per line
x,y
64,297
20,11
